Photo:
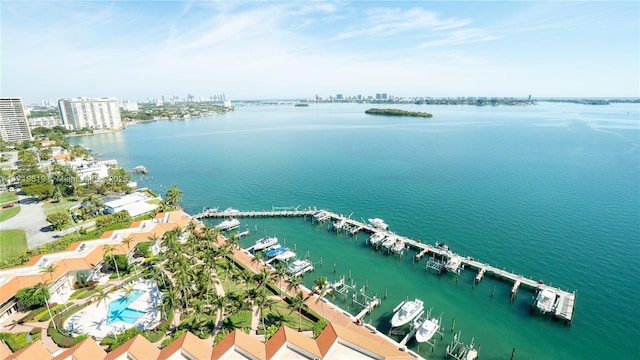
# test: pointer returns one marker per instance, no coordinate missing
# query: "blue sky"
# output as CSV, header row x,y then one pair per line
x,y
297,49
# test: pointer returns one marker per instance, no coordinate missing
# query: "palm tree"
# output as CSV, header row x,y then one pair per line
x,y
264,303
44,289
108,250
128,291
170,301
49,269
128,241
320,288
103,296
280,273
173,197
257,258
261,278
297,302
294,283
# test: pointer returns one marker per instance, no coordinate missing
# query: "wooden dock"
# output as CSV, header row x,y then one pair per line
x,y
566,300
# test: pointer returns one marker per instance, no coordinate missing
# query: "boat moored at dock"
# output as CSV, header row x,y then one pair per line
x,y
275,250
339,224
299,267
427,329
377,238
398,246
546,301
265,242
453,264
407,311
378,223
229,224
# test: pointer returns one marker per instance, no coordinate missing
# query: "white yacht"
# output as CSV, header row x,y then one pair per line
x,y
546,300
299,267
427,329
453,264
408,311
377,238
339,224
264,243
378,224
398,246
229,224
388,242
285,255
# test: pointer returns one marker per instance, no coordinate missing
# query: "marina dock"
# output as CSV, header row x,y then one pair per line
x,y
566,300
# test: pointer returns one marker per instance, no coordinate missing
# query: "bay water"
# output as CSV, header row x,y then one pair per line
x,y
550,191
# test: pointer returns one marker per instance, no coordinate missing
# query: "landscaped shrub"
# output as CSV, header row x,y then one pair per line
x,y
318,327
172,338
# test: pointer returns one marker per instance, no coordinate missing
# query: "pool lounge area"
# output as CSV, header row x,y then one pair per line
x,y
139,310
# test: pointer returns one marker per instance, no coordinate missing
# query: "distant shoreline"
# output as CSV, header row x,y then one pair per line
x,y
397,112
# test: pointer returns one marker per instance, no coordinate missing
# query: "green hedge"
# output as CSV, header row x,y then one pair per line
x,y
166,342
44,316
59,336
32,314
18,341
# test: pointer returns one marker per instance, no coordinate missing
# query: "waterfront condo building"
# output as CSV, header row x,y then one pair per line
x,y
13,120
78,113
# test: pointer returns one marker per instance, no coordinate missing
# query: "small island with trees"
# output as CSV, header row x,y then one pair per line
x,y
397,112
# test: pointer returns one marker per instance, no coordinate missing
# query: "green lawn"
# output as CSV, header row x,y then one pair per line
x,y
13,242
61,206
6,197
9,213
239,320
154,201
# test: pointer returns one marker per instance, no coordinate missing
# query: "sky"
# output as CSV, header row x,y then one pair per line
x,y
139,50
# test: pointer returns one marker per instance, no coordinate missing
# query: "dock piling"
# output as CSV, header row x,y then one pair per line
x,y
453,324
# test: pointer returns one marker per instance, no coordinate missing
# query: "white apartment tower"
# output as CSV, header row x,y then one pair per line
x,y
13,121
78,113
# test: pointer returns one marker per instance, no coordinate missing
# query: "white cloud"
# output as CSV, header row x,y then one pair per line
x,y
459,37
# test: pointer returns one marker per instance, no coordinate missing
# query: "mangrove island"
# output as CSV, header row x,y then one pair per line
x,y
397,112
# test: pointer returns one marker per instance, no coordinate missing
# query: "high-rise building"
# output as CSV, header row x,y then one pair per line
x,y
13,121
78,113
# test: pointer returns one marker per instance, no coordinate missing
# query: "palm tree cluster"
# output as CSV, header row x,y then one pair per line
x,y
189,273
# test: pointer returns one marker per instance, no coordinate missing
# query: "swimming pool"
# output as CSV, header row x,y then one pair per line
x,y
119,310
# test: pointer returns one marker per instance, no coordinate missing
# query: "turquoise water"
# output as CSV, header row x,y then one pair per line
x,y
119,311
548,191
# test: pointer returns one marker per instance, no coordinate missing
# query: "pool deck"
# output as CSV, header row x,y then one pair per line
x,y
92,320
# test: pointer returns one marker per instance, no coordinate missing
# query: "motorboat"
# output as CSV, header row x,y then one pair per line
x,y
264,243
427,329
339,224
377,238
378,224
407,311
299,267
231,211
229,224
321,215
275,250
546,300
442,246
388,242
398,246
285,255
453,264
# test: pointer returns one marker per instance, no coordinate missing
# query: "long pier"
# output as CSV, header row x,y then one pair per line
x,y
565,300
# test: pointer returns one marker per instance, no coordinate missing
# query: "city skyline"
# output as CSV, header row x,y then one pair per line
x,y
133,50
